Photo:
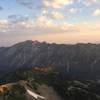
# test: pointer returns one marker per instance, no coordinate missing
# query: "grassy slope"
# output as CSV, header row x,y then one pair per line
x,y
66,87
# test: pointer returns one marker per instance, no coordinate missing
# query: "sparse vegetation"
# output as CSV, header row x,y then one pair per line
x,y
67,87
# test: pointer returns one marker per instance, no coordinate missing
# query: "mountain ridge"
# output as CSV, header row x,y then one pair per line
x,y
74,59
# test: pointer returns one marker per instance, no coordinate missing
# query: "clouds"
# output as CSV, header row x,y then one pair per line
x,y
57,3
17,18
55,15
26,3
1,8
52,17
96,12
50,26
3,24
92,7
30,4
91,2
73,10
46,21
42,24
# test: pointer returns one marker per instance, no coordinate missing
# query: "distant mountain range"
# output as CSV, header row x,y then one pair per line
x,y
80,59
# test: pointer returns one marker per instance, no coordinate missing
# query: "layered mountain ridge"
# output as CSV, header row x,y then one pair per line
x,y
78,59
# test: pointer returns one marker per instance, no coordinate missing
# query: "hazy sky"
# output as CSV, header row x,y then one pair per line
x,y
61,21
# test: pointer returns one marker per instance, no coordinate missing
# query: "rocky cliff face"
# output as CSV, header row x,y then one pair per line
x,y
77,59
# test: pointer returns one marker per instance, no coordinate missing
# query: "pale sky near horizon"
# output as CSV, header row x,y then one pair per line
x,y
60,21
